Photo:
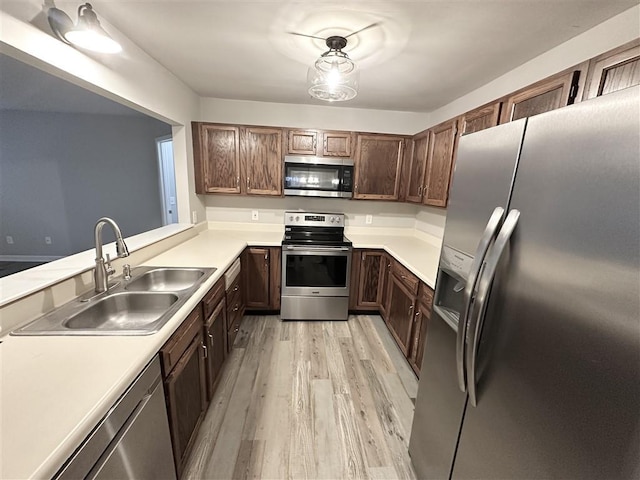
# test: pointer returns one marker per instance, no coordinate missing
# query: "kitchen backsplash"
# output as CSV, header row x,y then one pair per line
x,y
271,211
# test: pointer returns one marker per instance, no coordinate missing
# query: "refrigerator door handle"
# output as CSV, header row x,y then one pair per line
x,y
488,236
480,307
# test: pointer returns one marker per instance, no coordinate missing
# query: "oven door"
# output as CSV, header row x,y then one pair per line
x,y
315,271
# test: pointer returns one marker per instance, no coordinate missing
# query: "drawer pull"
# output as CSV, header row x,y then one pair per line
x,y
204,347
235,288
235,330
236,308
210,340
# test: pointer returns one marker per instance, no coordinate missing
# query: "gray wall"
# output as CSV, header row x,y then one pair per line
x,y
60,172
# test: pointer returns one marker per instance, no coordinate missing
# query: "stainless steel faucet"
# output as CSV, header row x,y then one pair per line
x,y
104,269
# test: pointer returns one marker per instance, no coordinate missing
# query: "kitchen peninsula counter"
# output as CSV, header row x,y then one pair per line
x,y
55,389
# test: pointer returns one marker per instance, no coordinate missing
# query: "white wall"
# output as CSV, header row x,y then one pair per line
x,y
391,215
132,78
606,36
330,117
60,172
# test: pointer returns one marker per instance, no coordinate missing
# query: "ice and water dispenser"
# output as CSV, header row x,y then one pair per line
x,y
453,273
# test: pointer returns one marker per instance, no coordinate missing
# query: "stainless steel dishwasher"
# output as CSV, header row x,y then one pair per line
x,y
132,440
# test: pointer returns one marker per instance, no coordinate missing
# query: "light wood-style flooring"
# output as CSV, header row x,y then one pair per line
x,y
326,400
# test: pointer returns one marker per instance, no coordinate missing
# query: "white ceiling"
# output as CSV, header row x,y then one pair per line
x,y
423,55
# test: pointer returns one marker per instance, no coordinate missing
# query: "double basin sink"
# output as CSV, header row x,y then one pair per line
x,y
138,306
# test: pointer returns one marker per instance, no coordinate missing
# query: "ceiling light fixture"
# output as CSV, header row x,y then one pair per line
x,y
87,33
333,77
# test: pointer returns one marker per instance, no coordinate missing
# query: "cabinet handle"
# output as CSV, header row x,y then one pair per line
x,y
266,256
210,339
204,347
235,289
235,330
404,277
314,143
356,188
236,308
410,309
238,181
420,191
247,183
415,318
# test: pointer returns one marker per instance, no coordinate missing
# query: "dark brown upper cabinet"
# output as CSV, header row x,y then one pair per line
x,y
320,143
480,118
302,142
614,70
549,94
216,152
337,144
377,167
442,143
417,167
262,160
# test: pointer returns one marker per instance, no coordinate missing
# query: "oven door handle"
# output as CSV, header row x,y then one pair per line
x,y
316,249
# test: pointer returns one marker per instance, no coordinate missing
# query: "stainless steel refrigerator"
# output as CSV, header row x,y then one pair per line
x,y
532,362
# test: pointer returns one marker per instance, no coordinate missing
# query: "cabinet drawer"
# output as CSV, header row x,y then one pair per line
x,y
425,295
212,298
171,351
234,328
407,278
234,288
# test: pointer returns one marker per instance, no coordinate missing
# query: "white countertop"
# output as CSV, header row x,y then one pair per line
x,y
54,390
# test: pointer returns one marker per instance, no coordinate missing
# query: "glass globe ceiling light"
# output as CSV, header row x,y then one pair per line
x,y
87,34
333,77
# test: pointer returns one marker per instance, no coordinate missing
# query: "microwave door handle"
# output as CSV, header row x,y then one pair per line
x,y
480,308
488,236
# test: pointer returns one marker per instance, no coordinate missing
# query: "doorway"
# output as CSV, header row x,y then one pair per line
x,y
167,180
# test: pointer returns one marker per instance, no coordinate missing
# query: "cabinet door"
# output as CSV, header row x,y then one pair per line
x,y
337,144
614,71
400,317
275,280
480,119
262,160
185,389
386,281
550,94
370,283
420,322
302,142
215,337
216,152
354,279
417,168
255,268
377,167
442,141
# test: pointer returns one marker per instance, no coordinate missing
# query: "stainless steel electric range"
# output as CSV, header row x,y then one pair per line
x,y
316,265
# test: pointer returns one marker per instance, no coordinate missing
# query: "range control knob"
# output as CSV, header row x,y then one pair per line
x,y
297,218
291,218
332,219
337,219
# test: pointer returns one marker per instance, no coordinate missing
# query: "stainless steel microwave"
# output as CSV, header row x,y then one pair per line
x,y
318,177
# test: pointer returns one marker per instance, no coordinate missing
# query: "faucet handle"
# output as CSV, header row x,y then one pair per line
x,y
126,271
109,269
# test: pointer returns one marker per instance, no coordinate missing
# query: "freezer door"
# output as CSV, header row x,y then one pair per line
x,y
559,357
439,405
482,179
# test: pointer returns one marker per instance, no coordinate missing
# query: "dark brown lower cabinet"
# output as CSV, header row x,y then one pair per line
x,y
215,339
400,315
386,280
420,323
185,392
262,272
235,310
371,270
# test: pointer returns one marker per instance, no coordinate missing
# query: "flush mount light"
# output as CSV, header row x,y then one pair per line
x,y
333,77
87,33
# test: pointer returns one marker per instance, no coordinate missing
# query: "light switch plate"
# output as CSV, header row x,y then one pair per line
x,y
255,215
368,219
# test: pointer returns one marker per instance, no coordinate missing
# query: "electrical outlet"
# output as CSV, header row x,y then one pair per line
x,y
194,217
47,240
255,216
9,239
368,219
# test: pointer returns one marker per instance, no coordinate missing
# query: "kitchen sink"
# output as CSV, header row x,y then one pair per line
x,y
140,305
166,280
123,311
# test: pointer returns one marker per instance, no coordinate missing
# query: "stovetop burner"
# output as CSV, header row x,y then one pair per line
x,y
312,228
